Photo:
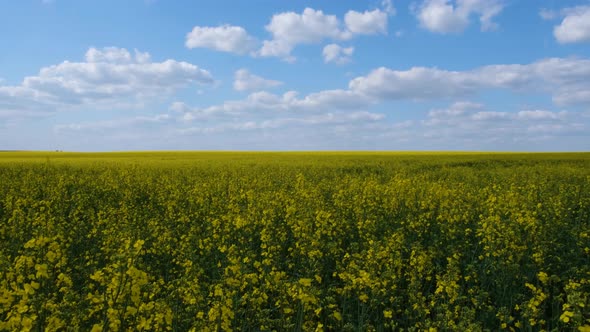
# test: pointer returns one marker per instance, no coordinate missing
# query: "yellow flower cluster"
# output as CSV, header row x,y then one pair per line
x,y
294,241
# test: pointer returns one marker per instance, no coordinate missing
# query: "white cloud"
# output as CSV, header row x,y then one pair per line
x,y
567,79
461,113
18,101
462,125
113,124
246,81
441,16
257,102
109,77
115,55
486,9
367,23
388,7
225,38
333,110
337,54
456,109
575,26
448,16
491,116
334,99
541,115
339,118
290,29
305,122
468,124
186,113
415,83
269,104
310,26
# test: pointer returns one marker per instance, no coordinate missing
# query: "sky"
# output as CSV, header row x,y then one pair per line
x,y
473,75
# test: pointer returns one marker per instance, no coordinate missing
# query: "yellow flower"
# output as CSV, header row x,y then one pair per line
x,y
565,316
306,282
337,316
29,289
41,271
51,256
27,323
543,277
387,313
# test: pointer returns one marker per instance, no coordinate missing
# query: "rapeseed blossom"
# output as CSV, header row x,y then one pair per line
x,y
251,242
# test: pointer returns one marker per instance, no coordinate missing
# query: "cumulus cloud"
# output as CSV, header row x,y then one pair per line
x,y
225,38
263,102
343,116
259,111
246,81
109,76
367,23
456,109
567,79
575,26
472,124
415,83
448,16
337,54
290,29
18,101
116,55
465,112
461,125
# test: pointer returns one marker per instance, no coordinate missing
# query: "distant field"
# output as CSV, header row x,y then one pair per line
x,y
183,158
250,241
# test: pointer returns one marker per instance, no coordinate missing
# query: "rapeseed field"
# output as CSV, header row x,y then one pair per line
x,y
299,241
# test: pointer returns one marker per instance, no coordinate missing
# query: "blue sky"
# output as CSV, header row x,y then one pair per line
x,y
488,75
